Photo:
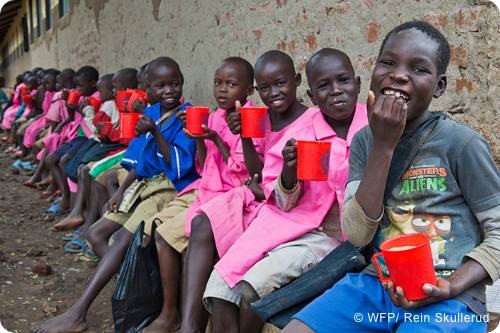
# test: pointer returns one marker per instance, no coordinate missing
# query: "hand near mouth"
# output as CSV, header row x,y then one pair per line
x,y
387,119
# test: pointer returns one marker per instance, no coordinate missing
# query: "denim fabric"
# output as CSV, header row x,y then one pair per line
x,y
281,305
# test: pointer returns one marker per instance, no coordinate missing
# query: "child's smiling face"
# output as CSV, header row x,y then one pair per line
x,y
277,85
84,86
231,85
407,67
333,86
166,86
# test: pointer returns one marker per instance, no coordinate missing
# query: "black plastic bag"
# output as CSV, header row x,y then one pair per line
x,y
138,298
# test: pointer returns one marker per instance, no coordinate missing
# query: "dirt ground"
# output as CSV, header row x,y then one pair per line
x,y
26,239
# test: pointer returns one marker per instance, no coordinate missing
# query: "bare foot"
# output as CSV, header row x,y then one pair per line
x,y
46,182
70,222
64,323
163,325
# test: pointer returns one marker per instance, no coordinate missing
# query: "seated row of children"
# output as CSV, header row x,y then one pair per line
x,y
251,228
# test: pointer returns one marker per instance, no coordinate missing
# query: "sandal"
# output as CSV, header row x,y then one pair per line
x,y
74,241
32,184
68,238
89,256
48,194
55,210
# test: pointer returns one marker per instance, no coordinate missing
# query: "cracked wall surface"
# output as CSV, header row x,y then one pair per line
x,y
113,34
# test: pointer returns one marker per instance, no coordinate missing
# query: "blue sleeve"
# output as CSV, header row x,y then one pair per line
x,y
182,153
130,159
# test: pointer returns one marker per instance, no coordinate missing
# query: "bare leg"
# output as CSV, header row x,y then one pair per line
x,y
249,321
92,215
99,235
59,177
169,319
74,320
225,316
37,176
296,326
76,217
199,265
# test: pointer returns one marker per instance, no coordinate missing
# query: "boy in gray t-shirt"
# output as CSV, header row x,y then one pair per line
x,y
450,191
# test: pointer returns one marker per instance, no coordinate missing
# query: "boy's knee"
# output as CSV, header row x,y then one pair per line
x,y
200,226
65,160
159,239
111,178
51,159
249,293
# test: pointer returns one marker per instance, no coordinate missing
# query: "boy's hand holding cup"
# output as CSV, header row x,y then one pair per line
x,y
289,171
85,103
144,125
234,121
64,94
181,115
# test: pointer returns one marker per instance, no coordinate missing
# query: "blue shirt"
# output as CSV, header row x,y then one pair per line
x,y
145,156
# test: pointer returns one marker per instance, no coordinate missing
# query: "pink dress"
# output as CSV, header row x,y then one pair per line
x,y
271,226
32,130
9,114
58,112
219,177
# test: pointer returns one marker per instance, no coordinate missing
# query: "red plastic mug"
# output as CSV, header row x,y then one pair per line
x,y
122,98
137,95
253,122
313,160
27,99
128,121
95,102
195,117
73,97
409,261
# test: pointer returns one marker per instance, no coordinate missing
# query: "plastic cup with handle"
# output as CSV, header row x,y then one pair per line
x,y
313,160
122,98
128,121
409,261
73,97
253,122
137,94
95,102
195,117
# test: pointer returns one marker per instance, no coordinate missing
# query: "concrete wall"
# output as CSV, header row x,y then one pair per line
x,y
112,34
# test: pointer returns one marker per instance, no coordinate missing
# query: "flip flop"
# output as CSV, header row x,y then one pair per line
x,y
73,241
67,238
48,194
26,166
32,184
55,210
89,252
17,165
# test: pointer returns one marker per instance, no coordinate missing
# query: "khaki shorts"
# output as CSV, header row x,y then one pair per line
x,y
39,143
122,174
22,129
279,267
171,221
153,199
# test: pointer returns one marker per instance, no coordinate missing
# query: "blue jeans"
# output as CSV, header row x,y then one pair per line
x,y
359,303
279,307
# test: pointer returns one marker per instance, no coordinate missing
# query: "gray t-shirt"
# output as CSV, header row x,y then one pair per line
x,y
452,178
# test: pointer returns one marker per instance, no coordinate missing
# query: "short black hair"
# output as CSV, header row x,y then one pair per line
x,y
143,67
443,56
19,78
89,73
52,72
107,80
2,79
163,61
248,67
326,52
275,55
36,70
32,78
128,77
67,77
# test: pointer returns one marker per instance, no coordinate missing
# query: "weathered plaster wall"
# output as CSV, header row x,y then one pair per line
x,y
113,34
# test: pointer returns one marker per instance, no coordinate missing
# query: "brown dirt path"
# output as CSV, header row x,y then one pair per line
x,y
25,239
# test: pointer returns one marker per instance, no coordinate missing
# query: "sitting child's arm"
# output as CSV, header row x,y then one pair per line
x,y
147,125
287,188
253,185
89,114
116,200
200,140
253,163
